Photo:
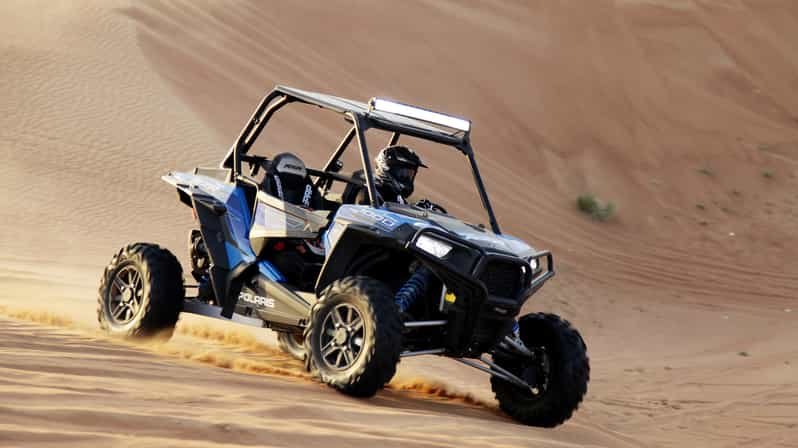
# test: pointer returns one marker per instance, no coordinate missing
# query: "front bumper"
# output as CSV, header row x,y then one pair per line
x,y
486,307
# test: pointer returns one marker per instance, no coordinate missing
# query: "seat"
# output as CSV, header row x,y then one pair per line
x,y
287,179
285,234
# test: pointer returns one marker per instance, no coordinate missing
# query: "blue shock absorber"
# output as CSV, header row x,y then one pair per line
x,y
414,288
516,330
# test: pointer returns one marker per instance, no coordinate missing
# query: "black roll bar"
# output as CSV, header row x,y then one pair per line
x,y
483,193
336,155
253,129
360,126
361,122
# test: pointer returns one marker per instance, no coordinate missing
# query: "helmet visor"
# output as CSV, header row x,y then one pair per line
x,y
404,173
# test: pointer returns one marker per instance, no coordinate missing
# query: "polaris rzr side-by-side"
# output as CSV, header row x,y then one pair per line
x,y
352,287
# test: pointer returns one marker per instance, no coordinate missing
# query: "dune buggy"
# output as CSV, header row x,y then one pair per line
x,y
351,288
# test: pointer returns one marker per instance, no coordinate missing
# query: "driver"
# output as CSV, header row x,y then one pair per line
x,y
395,171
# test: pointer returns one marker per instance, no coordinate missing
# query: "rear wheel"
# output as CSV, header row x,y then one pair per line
x,y
354,337
558,373
141,292
292,344
198,254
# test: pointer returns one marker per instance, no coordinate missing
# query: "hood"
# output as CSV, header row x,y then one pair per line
x,y
474,234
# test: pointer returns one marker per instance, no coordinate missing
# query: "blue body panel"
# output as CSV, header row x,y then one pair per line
x,y
236,219
239,250
269,271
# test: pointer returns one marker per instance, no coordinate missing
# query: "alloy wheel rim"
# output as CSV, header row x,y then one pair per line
x,y
341,338
125,295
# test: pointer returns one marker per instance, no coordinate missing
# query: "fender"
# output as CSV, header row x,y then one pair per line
x,y
347,256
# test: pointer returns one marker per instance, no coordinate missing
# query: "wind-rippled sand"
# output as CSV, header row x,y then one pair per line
x,y
682,113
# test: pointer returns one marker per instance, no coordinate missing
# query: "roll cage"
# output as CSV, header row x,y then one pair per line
x,y
363,117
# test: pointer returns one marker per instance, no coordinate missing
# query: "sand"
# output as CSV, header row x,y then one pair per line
x,y
682,113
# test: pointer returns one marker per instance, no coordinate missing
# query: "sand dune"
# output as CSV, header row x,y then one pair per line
x,y
682,113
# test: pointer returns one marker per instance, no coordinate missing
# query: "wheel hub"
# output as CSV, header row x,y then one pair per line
x,y
341,336
536,374
124,295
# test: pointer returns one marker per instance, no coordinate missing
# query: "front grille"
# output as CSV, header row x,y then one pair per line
x,y
502,278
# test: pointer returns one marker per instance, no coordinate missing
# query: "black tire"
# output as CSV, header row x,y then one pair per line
x,y
381,337
152,303
560,374
292,344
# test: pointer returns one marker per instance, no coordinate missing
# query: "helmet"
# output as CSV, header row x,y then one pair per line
x,y
397,165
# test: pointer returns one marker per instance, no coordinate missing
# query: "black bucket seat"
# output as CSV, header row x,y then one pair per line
x,y
287,178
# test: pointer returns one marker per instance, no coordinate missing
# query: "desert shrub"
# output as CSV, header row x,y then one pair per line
x,y
706,171
590,205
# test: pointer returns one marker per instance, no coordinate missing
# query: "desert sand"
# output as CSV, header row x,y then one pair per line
x,y
682,113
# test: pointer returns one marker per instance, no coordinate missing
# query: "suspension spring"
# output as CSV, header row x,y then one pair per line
x,y
415,287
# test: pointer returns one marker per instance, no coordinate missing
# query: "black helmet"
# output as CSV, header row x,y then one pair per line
x,y
397,165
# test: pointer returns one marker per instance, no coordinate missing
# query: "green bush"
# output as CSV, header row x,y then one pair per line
x,y
587,203
706,171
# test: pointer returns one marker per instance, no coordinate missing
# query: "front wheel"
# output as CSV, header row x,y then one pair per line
x,y
141,292
354,337
558,374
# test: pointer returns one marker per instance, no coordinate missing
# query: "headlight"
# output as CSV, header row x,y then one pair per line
x,y
432,246
533,263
